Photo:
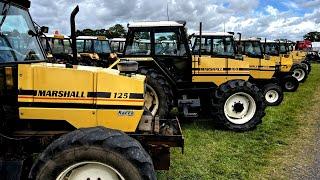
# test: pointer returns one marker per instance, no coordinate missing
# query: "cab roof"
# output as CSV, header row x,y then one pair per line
x,y
157,24
213,34
23,3
92,37
118,39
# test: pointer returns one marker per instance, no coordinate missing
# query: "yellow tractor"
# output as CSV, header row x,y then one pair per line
x,y
95,51
299,56
206,82
262,70
73,122
278,51
57,47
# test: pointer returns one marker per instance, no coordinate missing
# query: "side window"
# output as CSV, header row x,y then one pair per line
x,y
167,43
80,45
140,44
57,47
205,46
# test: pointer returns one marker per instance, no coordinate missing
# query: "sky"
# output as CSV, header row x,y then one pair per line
x,y
271,19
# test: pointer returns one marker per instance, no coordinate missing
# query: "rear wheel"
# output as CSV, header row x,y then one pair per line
x,y
239,105
289,83
159,96
94,153
300,73
273,94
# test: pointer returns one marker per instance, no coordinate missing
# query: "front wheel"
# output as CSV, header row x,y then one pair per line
x,y
239,105
300,73
289,83
273,94
94,153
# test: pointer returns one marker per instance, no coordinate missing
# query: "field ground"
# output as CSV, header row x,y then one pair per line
x,y
282,147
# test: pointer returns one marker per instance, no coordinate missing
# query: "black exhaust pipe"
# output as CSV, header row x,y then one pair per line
x,y
73,35
200,45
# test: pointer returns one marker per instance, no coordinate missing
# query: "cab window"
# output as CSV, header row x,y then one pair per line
x,y
167,43
139,44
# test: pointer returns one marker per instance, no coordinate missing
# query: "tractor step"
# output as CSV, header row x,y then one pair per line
x,y
186,103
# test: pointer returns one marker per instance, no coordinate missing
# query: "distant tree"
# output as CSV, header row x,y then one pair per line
x,y
117,31
88,32
312,36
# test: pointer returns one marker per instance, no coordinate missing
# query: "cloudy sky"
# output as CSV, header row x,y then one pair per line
x,y
263,18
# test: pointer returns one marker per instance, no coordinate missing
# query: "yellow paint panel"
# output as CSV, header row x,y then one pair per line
x,y
63,79
208,65
254,64
120,88
112,119
25,80
78,118
237,67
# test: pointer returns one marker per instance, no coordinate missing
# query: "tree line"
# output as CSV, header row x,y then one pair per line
x,y
115,31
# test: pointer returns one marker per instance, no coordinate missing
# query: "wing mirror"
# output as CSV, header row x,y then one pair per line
x,y
44,29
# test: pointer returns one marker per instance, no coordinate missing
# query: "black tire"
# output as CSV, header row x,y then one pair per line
x,y
303,71
308,64
235,87
163,90
289,83
276,93
111,147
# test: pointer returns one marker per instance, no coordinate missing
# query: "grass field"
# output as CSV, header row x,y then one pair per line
x,y
218,154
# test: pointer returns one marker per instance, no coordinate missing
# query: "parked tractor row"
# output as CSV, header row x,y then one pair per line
x,y
73,108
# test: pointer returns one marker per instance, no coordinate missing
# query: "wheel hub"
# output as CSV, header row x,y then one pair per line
x,y
238,107
272,96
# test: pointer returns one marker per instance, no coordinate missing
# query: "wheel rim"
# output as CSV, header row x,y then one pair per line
x,y
240,108
151,100
306,66
299,74
272,96
90,170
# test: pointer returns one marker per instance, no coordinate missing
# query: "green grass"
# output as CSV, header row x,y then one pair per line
x,y
217,154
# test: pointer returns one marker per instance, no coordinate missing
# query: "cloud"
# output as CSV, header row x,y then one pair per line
x,y
272,11
246,16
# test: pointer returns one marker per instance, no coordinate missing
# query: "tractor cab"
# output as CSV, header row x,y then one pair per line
x,y
218,50
95,50
261,67
18,43
117,45
57,47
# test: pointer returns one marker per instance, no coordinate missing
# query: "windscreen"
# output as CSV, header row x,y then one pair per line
x,y
252,48
102,47
15,43
271,49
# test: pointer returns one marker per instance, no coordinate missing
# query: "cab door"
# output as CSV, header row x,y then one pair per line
x,y
208,68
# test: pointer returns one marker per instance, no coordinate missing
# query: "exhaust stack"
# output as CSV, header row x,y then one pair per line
x,y
73,35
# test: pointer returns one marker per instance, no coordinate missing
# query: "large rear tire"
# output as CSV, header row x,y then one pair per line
x,y
93,153
273,94
300,73
239,105
159,96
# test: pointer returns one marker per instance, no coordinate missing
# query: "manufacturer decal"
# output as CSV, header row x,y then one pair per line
x,y
125,113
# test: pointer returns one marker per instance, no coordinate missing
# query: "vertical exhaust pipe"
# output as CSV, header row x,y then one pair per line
x,y
265,44
239,43
73,35
200,45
